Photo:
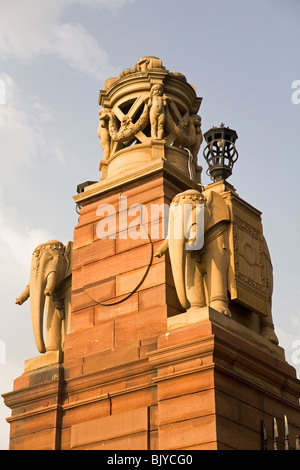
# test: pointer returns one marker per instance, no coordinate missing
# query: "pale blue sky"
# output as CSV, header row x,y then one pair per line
x,y
55,55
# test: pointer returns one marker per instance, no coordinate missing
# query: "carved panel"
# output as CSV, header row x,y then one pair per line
x,y
249,280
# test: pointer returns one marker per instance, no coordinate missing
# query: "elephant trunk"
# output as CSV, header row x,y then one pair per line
x,y
40,287
177,253
37,304
178,261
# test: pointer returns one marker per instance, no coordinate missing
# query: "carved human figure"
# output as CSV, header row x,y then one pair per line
x,y
195,121
157,102
49,288
201,276
103,133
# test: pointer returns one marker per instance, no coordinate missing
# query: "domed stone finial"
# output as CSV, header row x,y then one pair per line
x,y
148,115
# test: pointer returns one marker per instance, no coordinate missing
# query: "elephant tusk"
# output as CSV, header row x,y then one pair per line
x,y
51,282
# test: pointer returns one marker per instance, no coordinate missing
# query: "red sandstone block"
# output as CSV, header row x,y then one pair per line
x,y
148,345
153,440
65,438
138,189
238,411
43,420
237,437
136,193
190,432
127,282
103,291
77,283
128,243
144,195
207,446
92,295
185,334
73,368
82,319
107,359
140,326
137,441
39,440
47,376
150,340
21,382
109,267
78,411
95,251
105,312
109,427
141,222
153,417
140,380
144,350
83,235
81,300
137,227
152,297
89,341
185,384
89,212
237,388
130,399
185,407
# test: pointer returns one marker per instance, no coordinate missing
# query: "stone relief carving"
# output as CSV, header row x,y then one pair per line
x,y
182,132
186,132
128,128
49,288
121,129
254,270
149,112
103,132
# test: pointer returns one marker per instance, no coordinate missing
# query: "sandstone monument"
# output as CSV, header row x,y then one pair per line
x,y
158,314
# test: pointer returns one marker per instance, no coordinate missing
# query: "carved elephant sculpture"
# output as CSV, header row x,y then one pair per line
x,y
200,272
49,289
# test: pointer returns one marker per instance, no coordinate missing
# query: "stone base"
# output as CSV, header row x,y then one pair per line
x,y
195,315
47,359
200,386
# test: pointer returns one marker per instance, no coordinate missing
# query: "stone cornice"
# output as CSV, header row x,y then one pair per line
x,y
152,169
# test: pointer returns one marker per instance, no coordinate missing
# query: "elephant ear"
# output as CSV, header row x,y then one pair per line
x,y
68,257
217,208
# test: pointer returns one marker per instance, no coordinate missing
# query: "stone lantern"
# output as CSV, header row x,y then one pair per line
x,y
220,152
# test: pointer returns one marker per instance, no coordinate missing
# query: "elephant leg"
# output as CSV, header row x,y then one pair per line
x,y
217,275
53,325
194,283
267,329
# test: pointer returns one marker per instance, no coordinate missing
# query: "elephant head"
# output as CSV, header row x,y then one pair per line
x,y
194,234
50,266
